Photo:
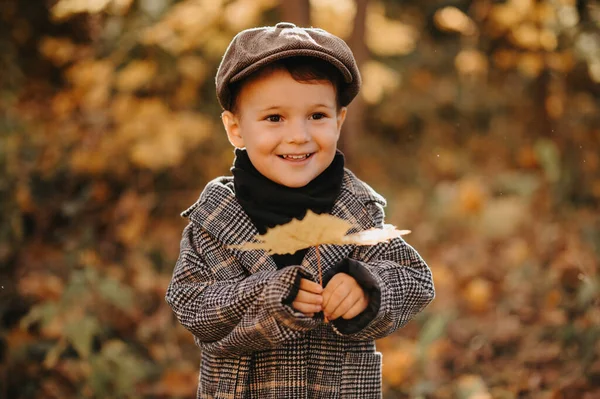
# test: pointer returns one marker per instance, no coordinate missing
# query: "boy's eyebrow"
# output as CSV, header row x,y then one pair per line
x,y
273,107
276,107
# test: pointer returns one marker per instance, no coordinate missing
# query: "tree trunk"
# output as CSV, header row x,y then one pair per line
x,y
295,11
355,121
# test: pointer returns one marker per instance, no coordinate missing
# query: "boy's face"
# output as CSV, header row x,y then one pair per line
x,y
290,129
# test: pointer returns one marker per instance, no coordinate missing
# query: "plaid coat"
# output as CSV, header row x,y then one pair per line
x,y
253,344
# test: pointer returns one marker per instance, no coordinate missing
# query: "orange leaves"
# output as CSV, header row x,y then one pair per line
x,y
65,9
198,24
335,16
159,138
453,19
135,75
148,134
528,36
243,14
378,80
18,338
503,217
399,361
193,68
446,283
24,198
472,196
387,37
479,295
471,386
41,286
131,217
186,26
530,64
533,30
92,83
143,277
509,14
58,50
471,63
177,382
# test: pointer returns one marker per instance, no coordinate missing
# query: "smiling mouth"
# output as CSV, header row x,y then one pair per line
x,y
295,157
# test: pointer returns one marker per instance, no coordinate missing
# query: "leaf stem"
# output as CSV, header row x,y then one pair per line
x,y
320,276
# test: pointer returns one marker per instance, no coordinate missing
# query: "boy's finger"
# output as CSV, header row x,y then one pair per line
x,y
310,286
309,297
343,307
331,288
337,281
334,294
306,307
354,311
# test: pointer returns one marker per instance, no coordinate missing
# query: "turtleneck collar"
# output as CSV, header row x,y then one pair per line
x,y
269,204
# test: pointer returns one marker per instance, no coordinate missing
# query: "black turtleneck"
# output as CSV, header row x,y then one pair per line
x,y
270,204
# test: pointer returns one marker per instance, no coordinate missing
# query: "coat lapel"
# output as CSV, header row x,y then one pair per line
x,y
221,215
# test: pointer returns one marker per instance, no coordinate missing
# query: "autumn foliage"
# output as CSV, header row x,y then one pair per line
x,y
481,128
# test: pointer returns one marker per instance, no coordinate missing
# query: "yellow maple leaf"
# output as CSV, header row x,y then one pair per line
x,y
315,230
299,234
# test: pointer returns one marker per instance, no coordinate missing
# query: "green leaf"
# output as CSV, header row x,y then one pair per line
x,y
77,287
116,371
53,355
588,291
549,157
434,328
80,334
116,293
42,313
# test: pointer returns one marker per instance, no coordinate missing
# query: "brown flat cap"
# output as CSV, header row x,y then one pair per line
x,y
252,49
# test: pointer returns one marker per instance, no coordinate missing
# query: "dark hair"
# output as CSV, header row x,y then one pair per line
x,y
302,69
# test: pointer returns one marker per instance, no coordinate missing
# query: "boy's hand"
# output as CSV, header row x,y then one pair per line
x,y
309,298
344,297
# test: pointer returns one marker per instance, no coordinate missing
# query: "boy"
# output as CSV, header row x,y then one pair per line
x,y
260,319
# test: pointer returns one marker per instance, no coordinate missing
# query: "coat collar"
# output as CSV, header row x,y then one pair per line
x,y
218,212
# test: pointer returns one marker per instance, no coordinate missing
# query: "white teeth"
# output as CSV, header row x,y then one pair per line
x,y
296,156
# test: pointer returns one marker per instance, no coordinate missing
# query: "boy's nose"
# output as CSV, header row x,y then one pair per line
x,y
298,133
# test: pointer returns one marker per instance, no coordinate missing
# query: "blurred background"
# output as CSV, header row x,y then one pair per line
x,y
478,120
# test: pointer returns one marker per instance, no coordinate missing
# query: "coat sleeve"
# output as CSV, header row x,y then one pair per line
x,y
228,311
400,285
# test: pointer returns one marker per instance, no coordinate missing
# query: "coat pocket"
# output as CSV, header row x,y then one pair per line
x,y
219,377
361,376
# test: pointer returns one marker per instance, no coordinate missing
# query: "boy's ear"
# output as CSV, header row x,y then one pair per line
x,y
232,127
341,117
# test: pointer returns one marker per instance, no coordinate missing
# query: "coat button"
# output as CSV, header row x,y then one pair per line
x,y
282,25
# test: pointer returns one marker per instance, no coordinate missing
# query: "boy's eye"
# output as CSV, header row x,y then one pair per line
x,y
318,115
273,118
